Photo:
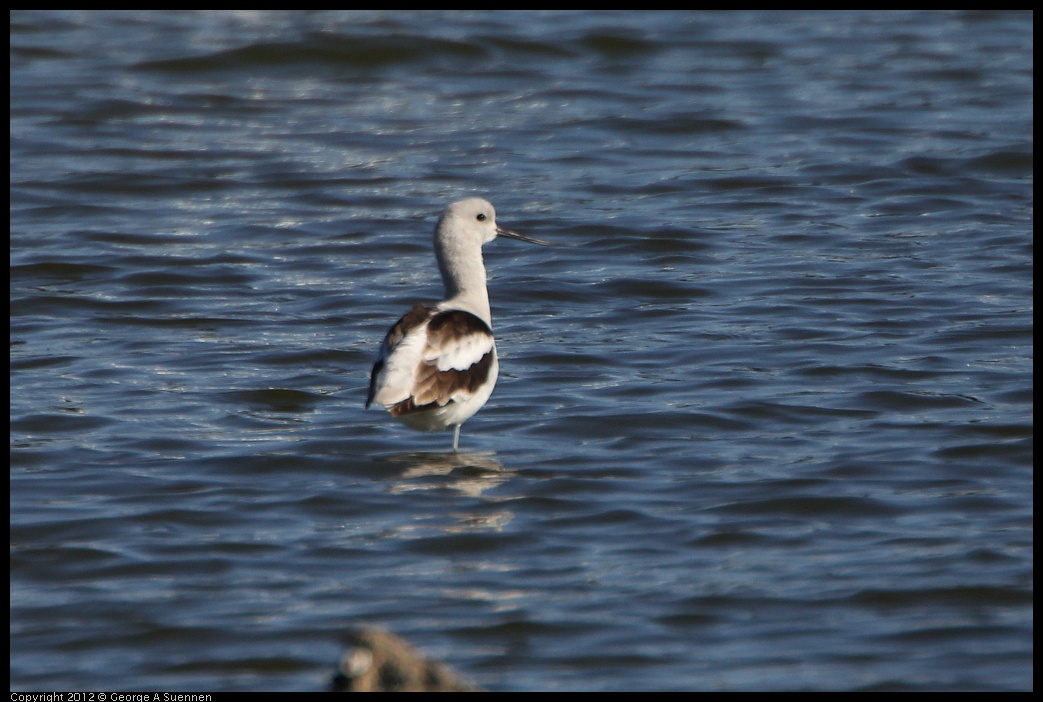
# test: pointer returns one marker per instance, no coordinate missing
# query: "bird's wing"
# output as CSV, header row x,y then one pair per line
x,y
391,380
430,359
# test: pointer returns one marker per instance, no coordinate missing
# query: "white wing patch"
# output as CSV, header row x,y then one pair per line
x,y
459,352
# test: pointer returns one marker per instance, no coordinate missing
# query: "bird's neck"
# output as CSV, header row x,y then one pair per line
x,y
463,272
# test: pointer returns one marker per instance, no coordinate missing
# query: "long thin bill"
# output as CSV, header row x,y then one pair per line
x,y
515,235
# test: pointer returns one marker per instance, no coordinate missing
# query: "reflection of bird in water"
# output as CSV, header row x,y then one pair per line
x,y
381,662
468,473
437,365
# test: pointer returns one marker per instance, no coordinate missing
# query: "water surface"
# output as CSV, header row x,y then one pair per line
x,y
765,424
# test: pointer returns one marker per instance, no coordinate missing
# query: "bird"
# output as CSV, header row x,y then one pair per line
x,y
437,365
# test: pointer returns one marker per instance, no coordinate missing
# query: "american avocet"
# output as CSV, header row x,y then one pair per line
x,y
437,365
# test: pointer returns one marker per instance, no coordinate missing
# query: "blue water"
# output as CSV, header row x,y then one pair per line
x,y
765,423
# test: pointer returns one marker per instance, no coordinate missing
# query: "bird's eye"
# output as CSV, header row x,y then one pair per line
x,y
481,216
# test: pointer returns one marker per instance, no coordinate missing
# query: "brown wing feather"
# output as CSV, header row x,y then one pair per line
x,y
435,388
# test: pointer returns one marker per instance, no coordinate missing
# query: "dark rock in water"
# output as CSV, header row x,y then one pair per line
x,y
381,662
